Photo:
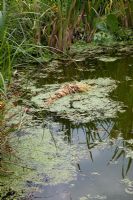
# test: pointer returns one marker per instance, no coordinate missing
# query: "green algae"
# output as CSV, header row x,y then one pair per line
x,y
83,107
39,160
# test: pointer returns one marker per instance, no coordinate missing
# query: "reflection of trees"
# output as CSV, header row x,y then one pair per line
x,y
121,153
107,131
124,93
100,131
94,134
97,131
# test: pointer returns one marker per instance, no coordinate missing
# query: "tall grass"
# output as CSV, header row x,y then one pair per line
x,y
39,25
5,53
71,16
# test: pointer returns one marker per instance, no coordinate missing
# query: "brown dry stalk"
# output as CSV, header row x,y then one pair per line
x,y
68,89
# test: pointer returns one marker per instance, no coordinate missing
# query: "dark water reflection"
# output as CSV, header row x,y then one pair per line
x,y
107,165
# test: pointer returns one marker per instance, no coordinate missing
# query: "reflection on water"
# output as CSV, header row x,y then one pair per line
x,y
109,142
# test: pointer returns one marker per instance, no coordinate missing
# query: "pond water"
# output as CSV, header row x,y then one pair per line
x,y
105,169
100,176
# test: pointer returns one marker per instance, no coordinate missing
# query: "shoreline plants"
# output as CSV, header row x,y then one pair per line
x,y
37,28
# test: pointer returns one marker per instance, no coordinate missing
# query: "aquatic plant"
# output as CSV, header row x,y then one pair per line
x,y
68,89
46,26
84,107
74,16
39,160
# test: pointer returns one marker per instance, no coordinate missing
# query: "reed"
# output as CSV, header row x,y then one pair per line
x,y
55,24
5,53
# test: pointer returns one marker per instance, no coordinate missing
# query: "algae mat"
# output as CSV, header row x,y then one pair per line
x,y
82,107
40,159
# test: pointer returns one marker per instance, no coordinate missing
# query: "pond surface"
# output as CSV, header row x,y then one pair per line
x,y
107,173
106,169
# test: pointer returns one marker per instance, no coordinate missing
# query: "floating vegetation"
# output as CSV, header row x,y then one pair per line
x,y
40,159
129,153
129,185
93,197
82,107
68,89
107,59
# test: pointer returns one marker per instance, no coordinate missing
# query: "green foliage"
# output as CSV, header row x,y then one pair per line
x,y
1,19
5,61
103,38
112,23
124,34
2,85
5,54
34,27
100,24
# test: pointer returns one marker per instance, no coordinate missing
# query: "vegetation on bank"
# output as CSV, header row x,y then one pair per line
x,y
33,29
